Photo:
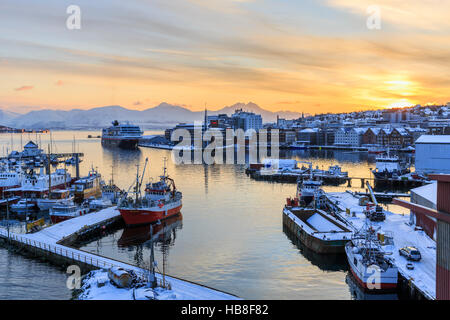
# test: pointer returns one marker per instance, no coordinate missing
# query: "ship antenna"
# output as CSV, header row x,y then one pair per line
x,y
137,183
165,169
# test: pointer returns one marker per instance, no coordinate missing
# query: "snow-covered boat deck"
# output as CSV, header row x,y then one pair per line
x,y
423,276
48,238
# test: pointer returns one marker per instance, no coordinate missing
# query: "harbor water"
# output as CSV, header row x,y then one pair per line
x,y
229,235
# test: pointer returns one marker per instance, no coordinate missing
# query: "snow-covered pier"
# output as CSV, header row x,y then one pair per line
x,y
49,243
423,276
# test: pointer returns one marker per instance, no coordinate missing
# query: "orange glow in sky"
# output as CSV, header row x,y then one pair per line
x,y
310,57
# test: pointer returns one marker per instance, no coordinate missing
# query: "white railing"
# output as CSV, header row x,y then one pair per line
x,y
73,254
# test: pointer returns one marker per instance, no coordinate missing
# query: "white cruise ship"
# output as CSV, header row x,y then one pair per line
x,y
121,135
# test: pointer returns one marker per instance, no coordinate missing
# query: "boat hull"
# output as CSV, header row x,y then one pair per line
x,y
316,244
56,218
124,143
141,216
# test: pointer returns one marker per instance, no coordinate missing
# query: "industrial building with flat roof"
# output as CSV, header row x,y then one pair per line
x,y
433,154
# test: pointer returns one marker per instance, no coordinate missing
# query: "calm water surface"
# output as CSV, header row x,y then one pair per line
x,y
229,236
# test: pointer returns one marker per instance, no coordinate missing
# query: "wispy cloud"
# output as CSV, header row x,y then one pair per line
x,y
24,88
298,54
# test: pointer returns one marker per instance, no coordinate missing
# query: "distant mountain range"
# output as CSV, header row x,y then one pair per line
x,y
162,116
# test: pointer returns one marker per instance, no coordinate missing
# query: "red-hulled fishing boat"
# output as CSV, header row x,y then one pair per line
x,y
160,201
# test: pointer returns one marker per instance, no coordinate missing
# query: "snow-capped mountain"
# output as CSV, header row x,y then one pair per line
x,y
161,116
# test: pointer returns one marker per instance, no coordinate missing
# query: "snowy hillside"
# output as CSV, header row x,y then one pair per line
x,y
161,116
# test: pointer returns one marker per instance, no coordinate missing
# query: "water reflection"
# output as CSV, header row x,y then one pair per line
x,y
161,235
359,294
328,262
231,236
164,232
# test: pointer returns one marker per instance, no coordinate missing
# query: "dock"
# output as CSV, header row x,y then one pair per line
x,y
384,195
52,243
423,277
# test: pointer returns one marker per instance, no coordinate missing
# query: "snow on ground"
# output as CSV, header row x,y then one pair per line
x,y
63,229
47,239
424,273
97,286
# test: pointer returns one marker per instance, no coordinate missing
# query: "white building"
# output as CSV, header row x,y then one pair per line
x,y
349,137
433,154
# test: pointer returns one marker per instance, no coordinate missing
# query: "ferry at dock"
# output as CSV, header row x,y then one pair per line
x,y
124,136
161,201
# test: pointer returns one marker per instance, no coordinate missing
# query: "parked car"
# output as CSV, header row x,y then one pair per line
x,y
411,253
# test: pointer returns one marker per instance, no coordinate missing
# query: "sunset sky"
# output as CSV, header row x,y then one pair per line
x,y
306,56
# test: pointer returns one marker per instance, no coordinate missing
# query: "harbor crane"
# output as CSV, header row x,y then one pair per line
x,y
374,212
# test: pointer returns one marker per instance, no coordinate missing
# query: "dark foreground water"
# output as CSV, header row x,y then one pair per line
x,y
229,236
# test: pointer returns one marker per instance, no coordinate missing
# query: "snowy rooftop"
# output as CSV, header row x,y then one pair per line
x,y
433,139
428,191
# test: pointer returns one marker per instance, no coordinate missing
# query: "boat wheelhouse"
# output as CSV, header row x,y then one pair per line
x,y
89,186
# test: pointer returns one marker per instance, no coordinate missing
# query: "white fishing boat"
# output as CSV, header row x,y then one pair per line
x,y
36,186
369,264
67,211
23,206
56,197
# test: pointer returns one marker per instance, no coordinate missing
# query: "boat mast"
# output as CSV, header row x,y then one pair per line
x,y
137,183
49,173
152,278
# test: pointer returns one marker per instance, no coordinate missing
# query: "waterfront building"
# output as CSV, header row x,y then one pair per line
x,y
439,126
383,136
308,135
246,120
440,214
370,136
433,154
400,138
352,137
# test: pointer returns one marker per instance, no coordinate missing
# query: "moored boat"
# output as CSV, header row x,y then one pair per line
x,y
55,197
89,186
124,136
23,206
369,265
62,212
316,229
161,201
